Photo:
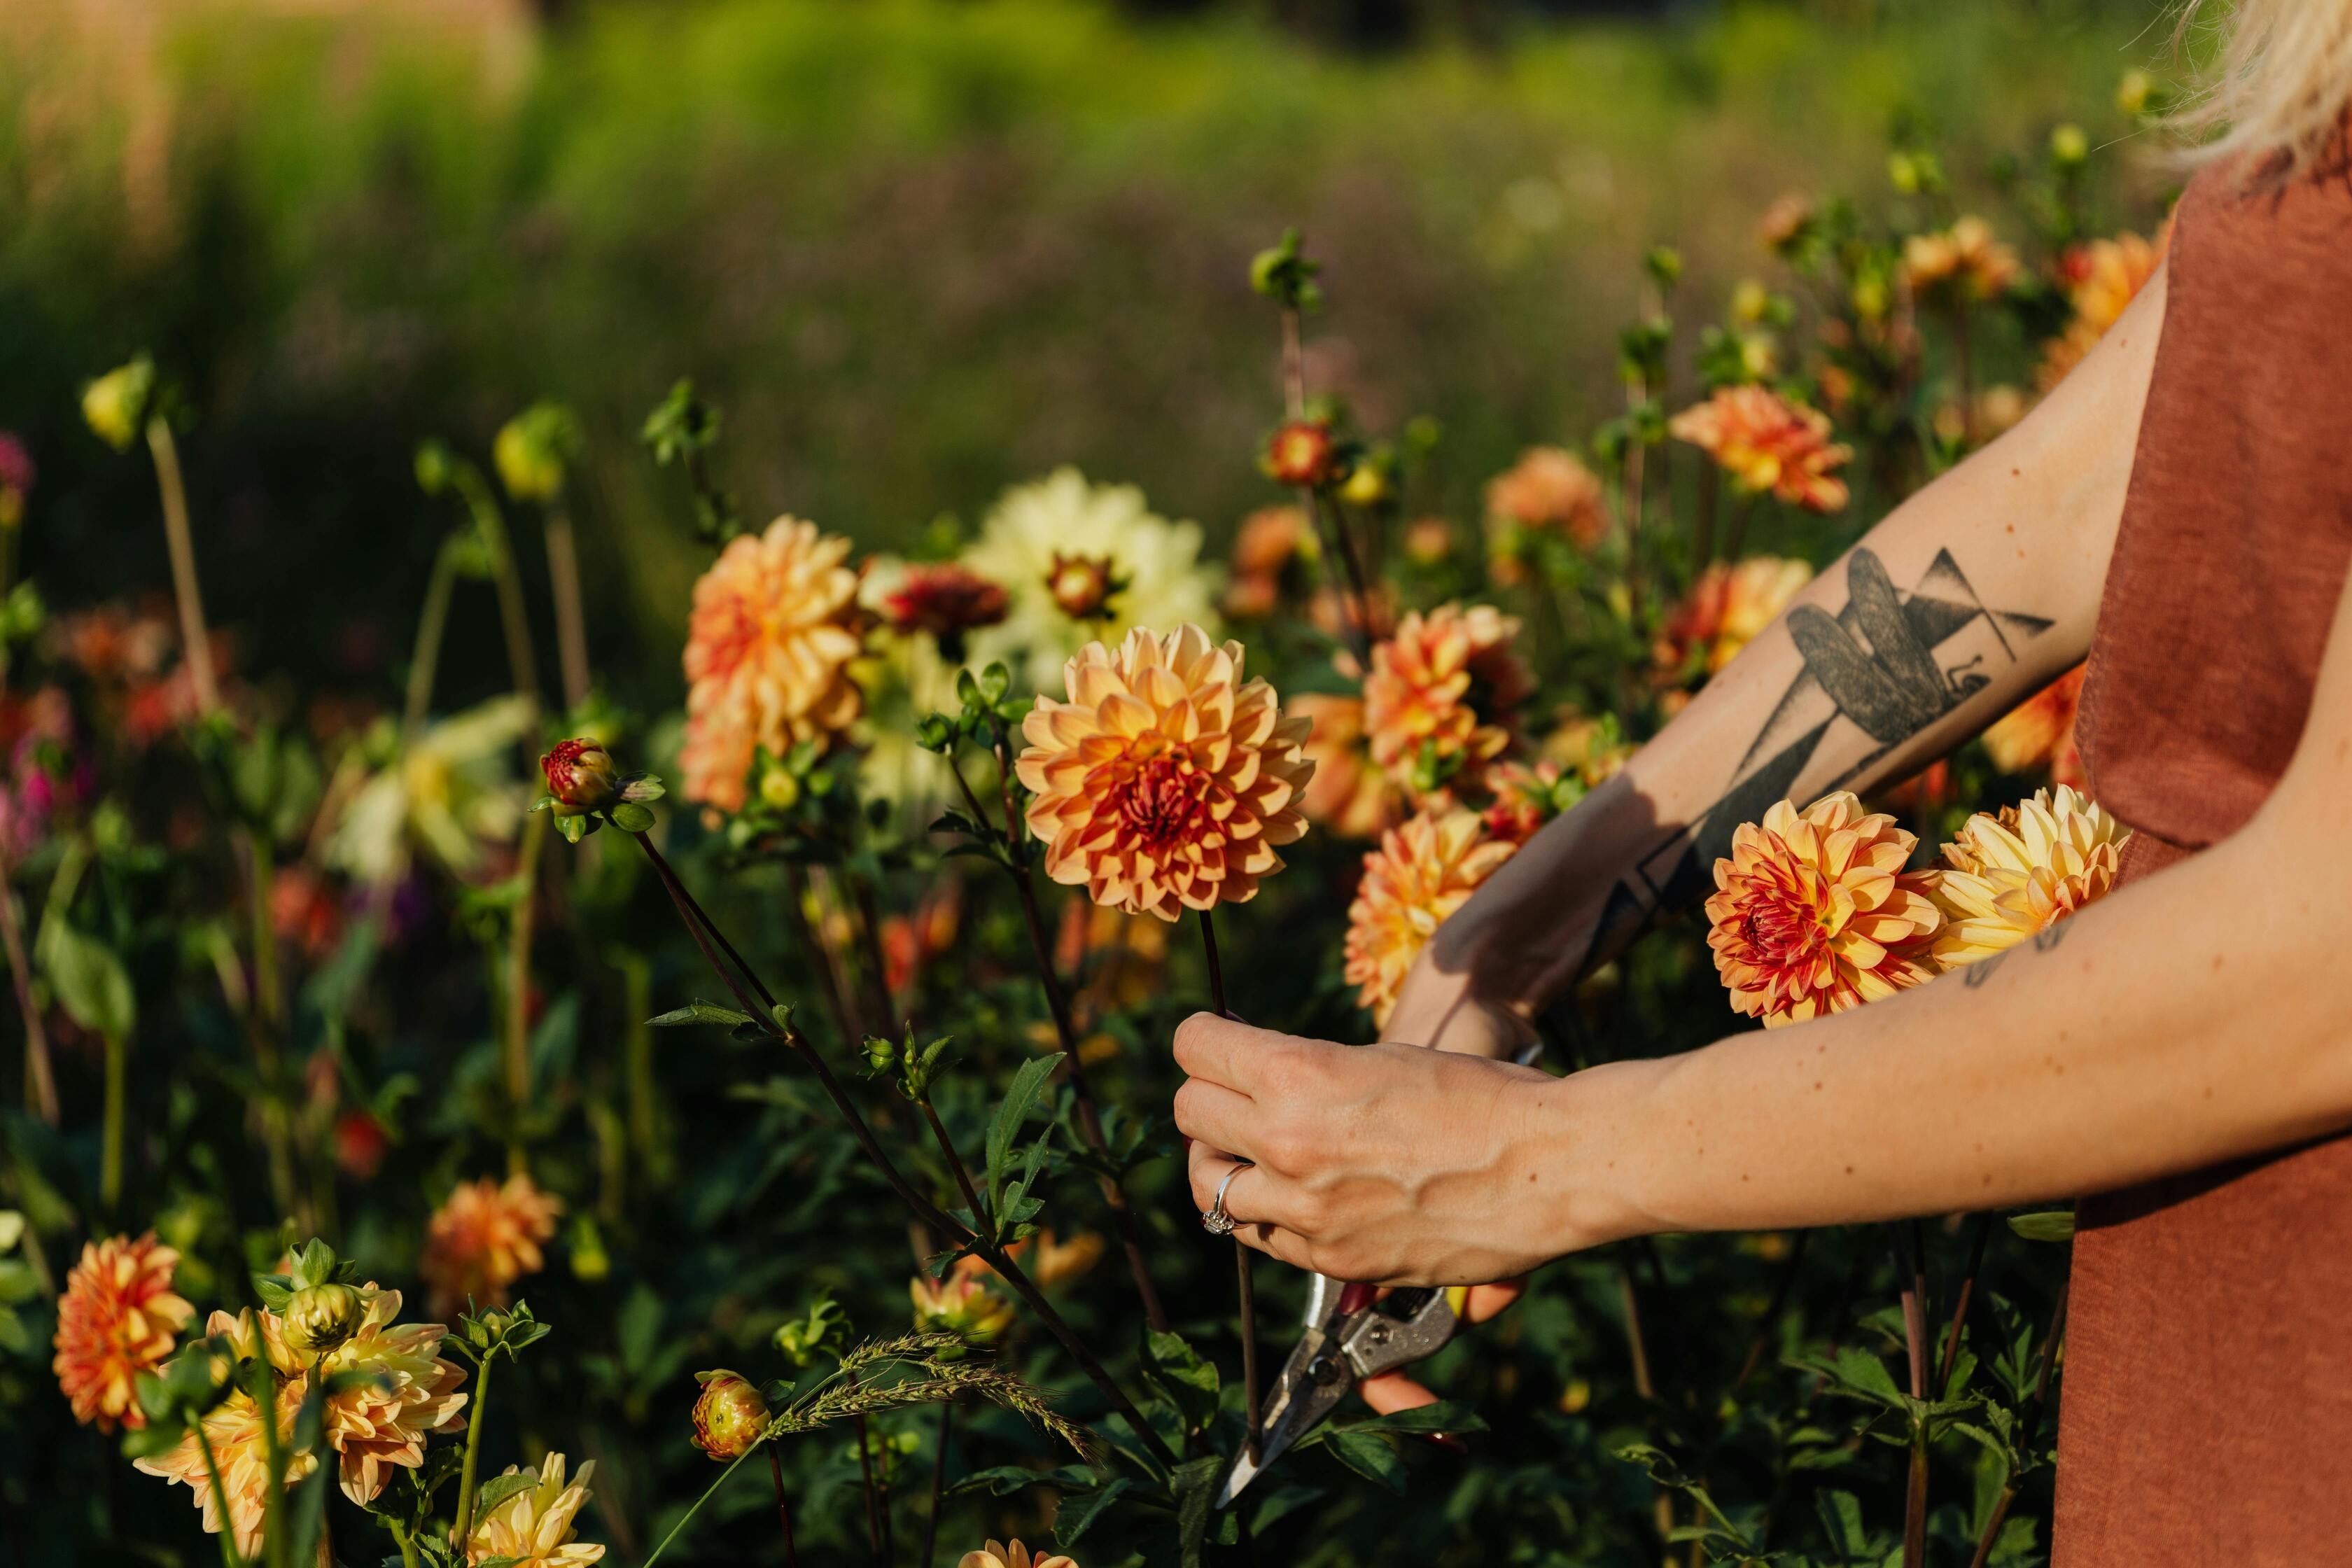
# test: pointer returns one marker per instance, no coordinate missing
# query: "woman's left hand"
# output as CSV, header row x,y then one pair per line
x,y
1389,1163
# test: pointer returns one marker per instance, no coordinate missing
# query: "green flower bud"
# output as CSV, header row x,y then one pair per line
x,y
321,1317
115,405
2068,145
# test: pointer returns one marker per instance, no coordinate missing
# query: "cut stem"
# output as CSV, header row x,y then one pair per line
x,y
1245,1284
196,644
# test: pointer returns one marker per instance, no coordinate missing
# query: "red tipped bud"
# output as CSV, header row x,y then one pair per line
x,y
579,775
728,1415
1300,453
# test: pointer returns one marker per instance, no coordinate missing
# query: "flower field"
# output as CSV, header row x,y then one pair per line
x,y
655,1046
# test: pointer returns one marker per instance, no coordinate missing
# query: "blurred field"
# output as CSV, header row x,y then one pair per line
x,y
917,250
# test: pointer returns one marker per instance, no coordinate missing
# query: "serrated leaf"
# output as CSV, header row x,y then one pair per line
x,y
1369,1456
1005,1126
699,1012
1078,1512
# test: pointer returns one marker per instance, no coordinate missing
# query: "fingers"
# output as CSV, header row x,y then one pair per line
x,y
1393,1391
1255,1197
1484,1302
1212,1114
1223,1050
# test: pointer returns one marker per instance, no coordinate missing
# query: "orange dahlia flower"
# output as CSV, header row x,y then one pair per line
x,y
1766,442
116,1318
1348,794
2009,876
1525,799
1550,488
768,651
1444,685
1165,783
1963,263
2038,732
1015,1555
1813,913
2101,277
1728,608
1420,874
484,1237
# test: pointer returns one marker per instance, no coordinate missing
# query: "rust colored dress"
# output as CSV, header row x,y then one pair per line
x,y
2207,1413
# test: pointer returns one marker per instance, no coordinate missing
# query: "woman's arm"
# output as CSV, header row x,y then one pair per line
x,y
2198,1016
1963,601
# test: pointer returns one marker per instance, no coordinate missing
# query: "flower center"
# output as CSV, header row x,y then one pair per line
x,y
1161,803
1782,932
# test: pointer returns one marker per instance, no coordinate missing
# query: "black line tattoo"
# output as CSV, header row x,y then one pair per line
x,y
2042,940
1889,665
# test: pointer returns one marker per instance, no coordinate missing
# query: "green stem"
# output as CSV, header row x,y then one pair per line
x,y
938,1485
637,1043
424,664
518,987
474,1456
876,1507
407,1543
40,1077
230,1556
514,619
698,926
570,619
266,1013
197,649
688,1517
1244,1279
110,1159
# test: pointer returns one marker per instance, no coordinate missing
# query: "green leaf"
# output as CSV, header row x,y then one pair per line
x,y
1369,1456
1453,1420
2054,1224
699,1012
1195,1485
498,1488
630,816
1281,1503
1079,1511
1002,1480
91,983
1006,1125
1182,1376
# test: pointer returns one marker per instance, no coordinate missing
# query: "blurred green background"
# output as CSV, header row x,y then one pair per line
x,y
917,249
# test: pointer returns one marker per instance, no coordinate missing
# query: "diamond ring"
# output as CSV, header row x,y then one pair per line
x,y
1217,1222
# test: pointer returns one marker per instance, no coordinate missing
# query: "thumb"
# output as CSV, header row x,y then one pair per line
x,y
1393,1391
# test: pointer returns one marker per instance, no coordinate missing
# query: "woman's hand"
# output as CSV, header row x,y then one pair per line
x,y
1389,1163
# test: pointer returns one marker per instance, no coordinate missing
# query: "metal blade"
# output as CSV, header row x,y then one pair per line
x,y
1312,1386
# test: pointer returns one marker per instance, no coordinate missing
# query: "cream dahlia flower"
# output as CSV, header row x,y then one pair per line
x,y
1061,521
1813,913
768,650
382,1420
1165,783
2009,876
532,1529
233,1429
452,793
1420,874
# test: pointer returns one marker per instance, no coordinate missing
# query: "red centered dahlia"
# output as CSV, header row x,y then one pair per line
x,y
1301,453
116,1318
1165,783
945,600
1813,913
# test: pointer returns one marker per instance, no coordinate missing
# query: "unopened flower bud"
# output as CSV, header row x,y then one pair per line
x,y
779,789
1083,585
531,449
1300,453
321,1317
880,1053
2069,145
580,774
1366,484
728,1415
2132,92
115,405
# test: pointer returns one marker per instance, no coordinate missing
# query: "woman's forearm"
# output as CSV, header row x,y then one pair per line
x,y
1963,601
2193,1019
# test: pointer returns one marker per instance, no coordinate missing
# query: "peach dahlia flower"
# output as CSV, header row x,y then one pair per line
x,y
1766,442
1445,682
768,651
382,1421
1728,608
2009,876
1550,488
1813,913
1420,874
2038,732
116,1318
2102,277
532,1528
1165,783
484,1237
1962,262
1015,1555
233,1429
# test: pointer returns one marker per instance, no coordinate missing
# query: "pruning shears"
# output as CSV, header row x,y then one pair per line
x,y
1353,1333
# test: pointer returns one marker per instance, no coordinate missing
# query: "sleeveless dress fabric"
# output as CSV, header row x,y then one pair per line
x,y
2206,1417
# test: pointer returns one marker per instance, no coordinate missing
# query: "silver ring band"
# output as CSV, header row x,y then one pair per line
x,y
1217,1222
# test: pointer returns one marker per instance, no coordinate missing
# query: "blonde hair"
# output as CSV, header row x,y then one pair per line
x,y
2274,98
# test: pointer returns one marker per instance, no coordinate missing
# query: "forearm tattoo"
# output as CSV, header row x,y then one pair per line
x,y
1877,673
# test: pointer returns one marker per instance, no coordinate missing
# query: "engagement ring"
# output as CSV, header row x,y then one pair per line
x,y
1217,1222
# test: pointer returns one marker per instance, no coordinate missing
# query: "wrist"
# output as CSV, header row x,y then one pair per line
x,y
1599,1121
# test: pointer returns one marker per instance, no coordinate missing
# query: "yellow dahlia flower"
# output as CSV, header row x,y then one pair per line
x,y
1014,1556
1444,685
233,1429
484,1237
1963,262
1766,442
116,1318
2102,277
2009,876
1151,569
1420,874
1813,913
1165,783
768,651
533,1527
